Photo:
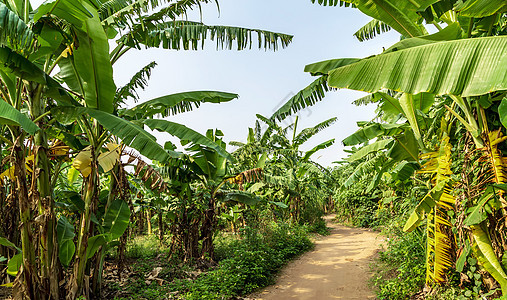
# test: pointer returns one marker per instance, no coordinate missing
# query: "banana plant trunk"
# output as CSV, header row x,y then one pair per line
x,y
207,229
28,280
43,196
160,224
148,220
90,199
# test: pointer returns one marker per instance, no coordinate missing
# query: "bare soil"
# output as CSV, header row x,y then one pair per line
x,y
338,268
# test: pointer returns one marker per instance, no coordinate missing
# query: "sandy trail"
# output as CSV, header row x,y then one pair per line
x,y
338,268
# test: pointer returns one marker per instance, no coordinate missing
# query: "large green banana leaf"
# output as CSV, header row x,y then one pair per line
x,y
14,33
91,59
184,133
316,90
130,134
467,67
401,15
323,67
374,147
449,33
408,105
72,11
425,206
13,63
176,103
12,116
242,197
9,80
319,147
18,6
207,161
117,218
502,111
372,131
405,147
481,8
485,254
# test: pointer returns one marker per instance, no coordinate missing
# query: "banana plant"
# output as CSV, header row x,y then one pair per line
x,y
289,167
449,82
73,35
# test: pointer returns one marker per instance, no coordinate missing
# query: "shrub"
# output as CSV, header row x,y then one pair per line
x,y
252,261
400,269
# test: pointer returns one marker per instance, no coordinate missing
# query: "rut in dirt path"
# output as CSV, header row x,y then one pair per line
x,y
338,268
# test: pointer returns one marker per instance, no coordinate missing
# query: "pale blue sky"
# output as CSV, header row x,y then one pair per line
x,y
263,79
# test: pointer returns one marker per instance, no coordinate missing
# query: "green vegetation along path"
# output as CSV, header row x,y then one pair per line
x,y
338,268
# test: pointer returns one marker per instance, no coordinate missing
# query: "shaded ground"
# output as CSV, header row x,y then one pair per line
x,y
338,268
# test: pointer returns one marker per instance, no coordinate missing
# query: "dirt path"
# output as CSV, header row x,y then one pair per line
x,y
338,268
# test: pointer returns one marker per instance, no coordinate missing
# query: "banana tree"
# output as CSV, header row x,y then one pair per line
x,y
288,166
71,34
463,66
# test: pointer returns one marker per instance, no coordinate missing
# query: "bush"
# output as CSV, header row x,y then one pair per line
x,y
400,270
320,227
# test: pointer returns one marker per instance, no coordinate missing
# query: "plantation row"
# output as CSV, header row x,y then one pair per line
x,y
78,195
76,186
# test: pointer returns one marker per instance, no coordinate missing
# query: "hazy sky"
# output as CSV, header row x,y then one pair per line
x,y
263,79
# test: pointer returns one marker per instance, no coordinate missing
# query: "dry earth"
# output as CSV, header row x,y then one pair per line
x,y
338,268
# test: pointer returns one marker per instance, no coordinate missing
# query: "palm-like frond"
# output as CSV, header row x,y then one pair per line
x,y
371,30
308,96
123,12
307,133
14,33
189,35
139,80
186,134
494,138
152,178
436,204
439,247
258,130
365,168
252,175
237,144
334,3
317,148
401,15
176,103
268,134
130,134
283,181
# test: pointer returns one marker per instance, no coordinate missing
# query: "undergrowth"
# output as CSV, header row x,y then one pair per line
x,y
246,262
400,268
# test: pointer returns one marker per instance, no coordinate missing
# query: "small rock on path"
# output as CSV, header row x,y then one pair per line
x,y
337,268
